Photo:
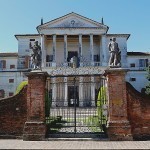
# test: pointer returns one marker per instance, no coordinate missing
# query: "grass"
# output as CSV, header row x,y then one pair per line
x,y
93,122
54,124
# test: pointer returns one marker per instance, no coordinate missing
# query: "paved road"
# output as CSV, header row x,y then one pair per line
x,y
20,144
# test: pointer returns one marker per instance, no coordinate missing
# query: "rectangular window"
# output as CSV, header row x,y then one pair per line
x,y
132,79
22,62
49,58
132,65
11,93
12,66
143,62
11,80
96,58
0,64
32,39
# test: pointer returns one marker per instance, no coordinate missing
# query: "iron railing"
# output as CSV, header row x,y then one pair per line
x,y
78,106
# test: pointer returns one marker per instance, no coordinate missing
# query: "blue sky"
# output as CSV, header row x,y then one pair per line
x,y
122,16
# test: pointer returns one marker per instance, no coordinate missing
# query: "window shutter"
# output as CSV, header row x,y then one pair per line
x,y
4,64
146,62
1,64
27,61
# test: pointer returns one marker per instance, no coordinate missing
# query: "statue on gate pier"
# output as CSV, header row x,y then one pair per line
x,y
115,54
36,56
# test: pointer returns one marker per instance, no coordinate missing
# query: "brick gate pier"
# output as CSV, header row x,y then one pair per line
x,y
35,128
118,126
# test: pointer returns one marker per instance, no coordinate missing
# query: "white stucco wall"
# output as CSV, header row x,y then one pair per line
x,y
10,61
122,43
10,87
135,60
141,80
23,44
137,72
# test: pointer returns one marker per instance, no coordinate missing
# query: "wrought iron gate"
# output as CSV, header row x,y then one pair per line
x,y
78,106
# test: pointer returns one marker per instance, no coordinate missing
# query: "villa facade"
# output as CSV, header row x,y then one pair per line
x,y
87,40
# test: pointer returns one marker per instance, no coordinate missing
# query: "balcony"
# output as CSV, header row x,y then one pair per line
x,y
69,64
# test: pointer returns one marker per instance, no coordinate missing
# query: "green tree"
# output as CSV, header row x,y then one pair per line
x,y
21,86
101,100
48,101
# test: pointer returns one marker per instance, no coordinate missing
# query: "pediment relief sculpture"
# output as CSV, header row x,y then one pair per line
x,y
71,23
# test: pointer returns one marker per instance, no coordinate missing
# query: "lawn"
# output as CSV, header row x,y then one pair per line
x,y
92,122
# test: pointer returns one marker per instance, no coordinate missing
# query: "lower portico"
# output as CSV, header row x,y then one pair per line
x,y
84,82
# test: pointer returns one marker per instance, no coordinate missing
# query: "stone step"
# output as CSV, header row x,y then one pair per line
x,y
77,139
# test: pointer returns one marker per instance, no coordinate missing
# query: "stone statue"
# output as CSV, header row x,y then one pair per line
x,y
74,62
115,54
36,56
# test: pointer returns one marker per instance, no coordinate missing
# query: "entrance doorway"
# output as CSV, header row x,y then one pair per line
x,y
71,54
73,96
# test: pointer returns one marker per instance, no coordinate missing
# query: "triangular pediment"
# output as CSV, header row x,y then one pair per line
x,y
72,20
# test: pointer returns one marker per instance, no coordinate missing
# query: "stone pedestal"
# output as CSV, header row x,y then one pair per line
x,y
118,126
35,128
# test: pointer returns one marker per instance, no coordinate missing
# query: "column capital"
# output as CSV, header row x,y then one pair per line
x,y
103,35
53,34
42,34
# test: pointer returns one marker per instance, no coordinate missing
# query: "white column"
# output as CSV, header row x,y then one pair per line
x,y
65,48
65,92
80,50
104,54
80,91
92,91
100,51
91,48
54,47
54,91
43,63
54,50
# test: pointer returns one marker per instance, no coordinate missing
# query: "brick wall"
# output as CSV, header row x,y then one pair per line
x,y
13,114
138,113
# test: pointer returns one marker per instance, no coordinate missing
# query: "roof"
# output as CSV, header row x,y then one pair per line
x,y
125,35
72,13
24,35
8,54
138,53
